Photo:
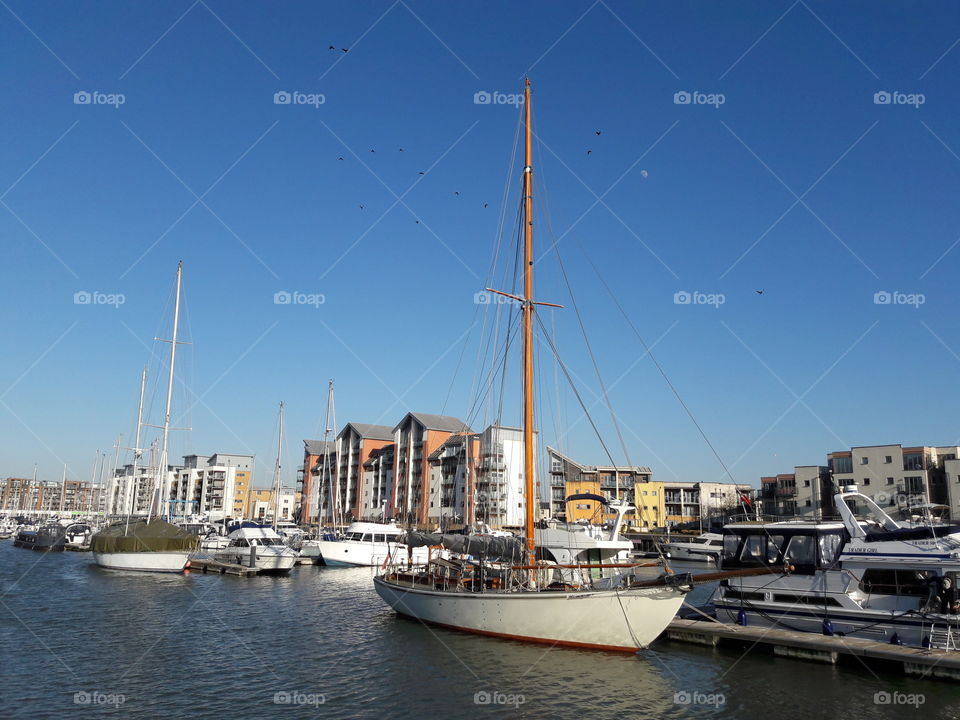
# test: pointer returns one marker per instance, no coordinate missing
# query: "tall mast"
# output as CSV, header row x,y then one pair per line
x,y
63,486
165,447
528,458
276,471
325,471
132,488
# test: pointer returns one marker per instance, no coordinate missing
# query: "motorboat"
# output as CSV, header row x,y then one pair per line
x,y
872,579
363,544
77,536
253,545
703,548
49,536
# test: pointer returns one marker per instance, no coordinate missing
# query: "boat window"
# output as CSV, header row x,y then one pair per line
x,y
775,544
241,542
380,538
752,548
829,547
730,544
897,582
801,551
367,537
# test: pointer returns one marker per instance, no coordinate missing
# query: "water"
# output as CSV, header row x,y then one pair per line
x,y
210,646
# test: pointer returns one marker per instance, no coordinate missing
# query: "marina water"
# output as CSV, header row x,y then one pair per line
x,y
80,641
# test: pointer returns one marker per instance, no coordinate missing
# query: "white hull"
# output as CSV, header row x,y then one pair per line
x,y
623,620
675,552
143,561
364,554
264,562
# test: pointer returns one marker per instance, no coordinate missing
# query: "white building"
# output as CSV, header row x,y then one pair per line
x,y
205,485
262,507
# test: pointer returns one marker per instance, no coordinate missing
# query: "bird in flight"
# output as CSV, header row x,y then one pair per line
x,y
361,207
598,132
589,151
759,292
485,204
345,49
332,47
339,158
456,192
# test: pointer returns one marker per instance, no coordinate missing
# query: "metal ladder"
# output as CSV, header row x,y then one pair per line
x,y
942,639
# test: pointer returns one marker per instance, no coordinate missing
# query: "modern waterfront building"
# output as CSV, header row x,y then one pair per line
x,y
416,437
355,444
24,495
894,476
207,484
569,477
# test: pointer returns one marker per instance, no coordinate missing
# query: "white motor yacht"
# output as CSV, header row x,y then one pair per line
x,y
253,545
874,580
703,548
363,544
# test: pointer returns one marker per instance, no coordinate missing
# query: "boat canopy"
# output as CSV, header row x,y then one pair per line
x,y
143,536
587,496
494,548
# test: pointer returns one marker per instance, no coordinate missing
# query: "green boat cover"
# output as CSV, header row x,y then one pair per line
x,y
143,536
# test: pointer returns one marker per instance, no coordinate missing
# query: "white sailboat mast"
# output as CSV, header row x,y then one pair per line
x,y
276,471
133,488
165,447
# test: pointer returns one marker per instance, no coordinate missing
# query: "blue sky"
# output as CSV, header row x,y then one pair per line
x,y
799,184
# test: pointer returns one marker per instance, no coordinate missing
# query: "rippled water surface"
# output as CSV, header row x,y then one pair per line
x,y
77,639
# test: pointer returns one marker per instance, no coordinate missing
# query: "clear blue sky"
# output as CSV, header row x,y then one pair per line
x,y
701,198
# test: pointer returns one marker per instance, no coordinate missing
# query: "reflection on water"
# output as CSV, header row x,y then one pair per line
x,y
199,646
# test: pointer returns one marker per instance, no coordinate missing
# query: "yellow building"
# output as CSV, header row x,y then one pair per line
x,y
591,510
650,503
241,494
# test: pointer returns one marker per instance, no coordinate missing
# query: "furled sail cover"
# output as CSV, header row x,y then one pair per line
x,y
415,538
143,536
504,549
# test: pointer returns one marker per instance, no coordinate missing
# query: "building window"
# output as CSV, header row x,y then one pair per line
x,y
866,481
887,460
806,483
808,503
864,461
889,481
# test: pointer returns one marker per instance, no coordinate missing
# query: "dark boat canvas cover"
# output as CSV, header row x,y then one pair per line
x,y
143,536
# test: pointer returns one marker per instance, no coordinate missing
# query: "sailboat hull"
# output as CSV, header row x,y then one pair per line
x,y
618,620
174,561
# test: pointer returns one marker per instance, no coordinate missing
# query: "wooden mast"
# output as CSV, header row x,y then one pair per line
x,y
528,447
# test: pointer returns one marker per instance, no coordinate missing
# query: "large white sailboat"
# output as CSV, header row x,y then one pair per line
x,y
508,592
151,544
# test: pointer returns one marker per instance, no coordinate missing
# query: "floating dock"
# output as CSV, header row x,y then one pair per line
x,y
215,566
920,662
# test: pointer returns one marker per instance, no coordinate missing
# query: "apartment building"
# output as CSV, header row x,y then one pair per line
x,y
377,483
355,443
893,476
416,437
569,477
25,495
206,484
261,503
